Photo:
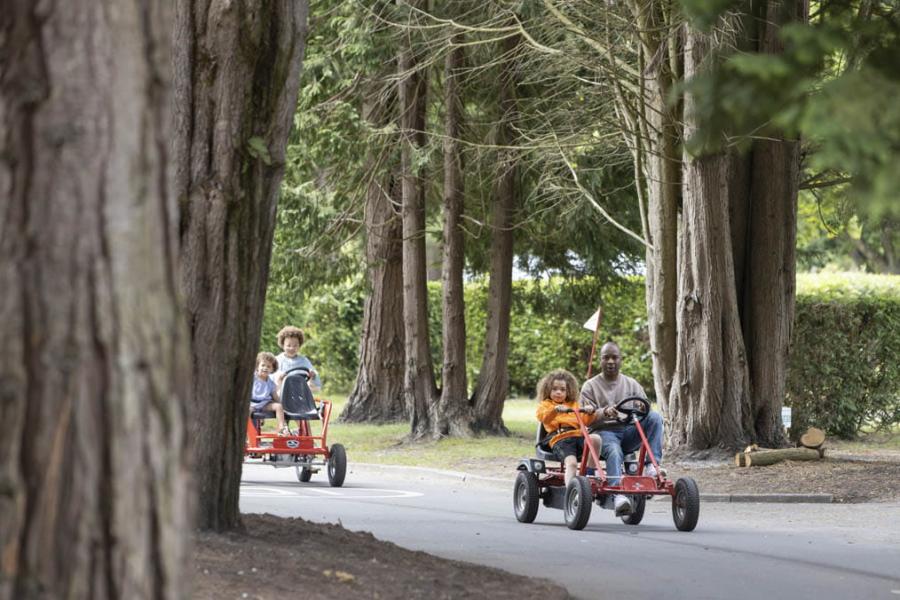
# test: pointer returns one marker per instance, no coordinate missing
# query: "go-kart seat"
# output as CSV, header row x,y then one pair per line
x,y
541,446
296,399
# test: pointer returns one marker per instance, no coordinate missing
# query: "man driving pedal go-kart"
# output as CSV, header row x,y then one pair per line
x,y
537,481
298,447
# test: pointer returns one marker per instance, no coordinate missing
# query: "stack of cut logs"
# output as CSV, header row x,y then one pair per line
x,y
810,449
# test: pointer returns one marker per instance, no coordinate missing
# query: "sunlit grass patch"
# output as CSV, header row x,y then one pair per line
x,y
389,444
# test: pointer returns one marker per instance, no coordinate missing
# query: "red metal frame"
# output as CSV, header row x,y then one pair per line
x,y
304,443
629,484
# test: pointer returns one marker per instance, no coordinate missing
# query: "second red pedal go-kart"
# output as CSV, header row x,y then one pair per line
x,y
301,448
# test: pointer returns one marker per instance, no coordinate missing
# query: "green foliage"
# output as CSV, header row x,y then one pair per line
x,y
257,148
835,86
844,374
546,329
331,321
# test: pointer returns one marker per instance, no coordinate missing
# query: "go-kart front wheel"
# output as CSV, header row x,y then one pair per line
x,y
686,504
578,502
638,504
337,465
525,497
304,474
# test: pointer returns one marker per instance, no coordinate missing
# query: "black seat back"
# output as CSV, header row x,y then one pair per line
x,y
543,449
296,397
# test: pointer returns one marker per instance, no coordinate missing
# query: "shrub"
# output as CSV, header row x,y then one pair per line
x,y
844,372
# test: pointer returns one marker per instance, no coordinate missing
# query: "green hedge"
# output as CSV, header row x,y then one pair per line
x,y
844,370
844,374
546,330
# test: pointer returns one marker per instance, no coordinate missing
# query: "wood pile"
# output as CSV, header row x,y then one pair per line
x,y
810,449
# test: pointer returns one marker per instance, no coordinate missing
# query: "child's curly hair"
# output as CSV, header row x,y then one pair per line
x,y
290,331
543,386
269,358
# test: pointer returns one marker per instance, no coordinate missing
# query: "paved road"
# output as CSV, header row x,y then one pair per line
x,y
738,551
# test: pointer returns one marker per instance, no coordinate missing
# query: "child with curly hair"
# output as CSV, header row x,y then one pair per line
x,y
264,395
558,393
290,339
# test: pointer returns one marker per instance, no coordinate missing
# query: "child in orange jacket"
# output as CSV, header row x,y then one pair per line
x,y
557,393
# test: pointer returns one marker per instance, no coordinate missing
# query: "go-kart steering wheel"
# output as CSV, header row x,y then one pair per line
x,y
299,370
633,408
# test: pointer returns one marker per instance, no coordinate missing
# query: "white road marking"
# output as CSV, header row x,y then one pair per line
x,y
303,493
321,491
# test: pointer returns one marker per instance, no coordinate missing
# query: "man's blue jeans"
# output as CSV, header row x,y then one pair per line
x,y
619,442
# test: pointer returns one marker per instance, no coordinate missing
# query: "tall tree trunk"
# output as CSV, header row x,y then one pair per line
x,y
735,261
94,487
453,415
657,140
710,391
237,69
419,388
770,271
493,378
377,396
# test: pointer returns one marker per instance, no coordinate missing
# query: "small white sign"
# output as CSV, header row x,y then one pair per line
x,y
786,416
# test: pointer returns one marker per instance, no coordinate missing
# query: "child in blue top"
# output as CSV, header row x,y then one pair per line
x,y
290,339
264,395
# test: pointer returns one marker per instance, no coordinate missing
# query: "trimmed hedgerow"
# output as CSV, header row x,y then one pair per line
x,y
844,374
844,371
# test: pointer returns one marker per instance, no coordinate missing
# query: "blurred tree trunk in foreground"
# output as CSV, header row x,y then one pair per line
x,y
95,375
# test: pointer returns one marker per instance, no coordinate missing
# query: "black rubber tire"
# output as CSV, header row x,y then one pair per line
x,y
638,504
579,500
337,465
686,504
525,497
304,474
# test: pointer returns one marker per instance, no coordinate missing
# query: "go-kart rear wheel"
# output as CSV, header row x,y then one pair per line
x,y
525,497
638,504
578,502
337,465
686,504
304,474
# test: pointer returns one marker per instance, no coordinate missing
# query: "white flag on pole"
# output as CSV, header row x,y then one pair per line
x,y
591,323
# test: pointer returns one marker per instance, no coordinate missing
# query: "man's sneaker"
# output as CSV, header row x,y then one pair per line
x,y
650,471
622,505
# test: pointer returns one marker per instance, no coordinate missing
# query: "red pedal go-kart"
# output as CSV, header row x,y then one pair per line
x,y
538,482
306,452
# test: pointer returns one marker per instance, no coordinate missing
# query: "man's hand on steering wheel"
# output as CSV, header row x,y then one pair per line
x,y
610,412
633,408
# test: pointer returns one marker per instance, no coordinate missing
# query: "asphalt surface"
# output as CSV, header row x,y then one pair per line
x,y
739,550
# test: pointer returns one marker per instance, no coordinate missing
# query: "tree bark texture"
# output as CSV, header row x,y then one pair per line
x,y
493,378
710,390
659,133
419,388
377,396
237,68
719,372
769,288
95,372
453,416
736,302
710,393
